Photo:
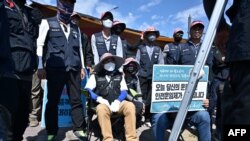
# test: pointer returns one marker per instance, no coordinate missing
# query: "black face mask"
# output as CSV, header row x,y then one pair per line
x,y
131,69
20,1
177,39
117,31
64,11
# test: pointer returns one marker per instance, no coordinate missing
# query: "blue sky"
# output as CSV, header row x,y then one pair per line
x,y
165,15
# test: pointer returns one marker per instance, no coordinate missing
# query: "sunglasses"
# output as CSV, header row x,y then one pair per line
x,y
178,34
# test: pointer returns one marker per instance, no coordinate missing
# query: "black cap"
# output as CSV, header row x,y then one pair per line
x,y
107,15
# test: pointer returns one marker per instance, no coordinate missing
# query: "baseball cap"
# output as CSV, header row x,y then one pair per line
x,y
151,29
178,30
197,23
107,14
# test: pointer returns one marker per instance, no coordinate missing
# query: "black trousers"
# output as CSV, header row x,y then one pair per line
x,y
236,97
55,83
146,89
15,96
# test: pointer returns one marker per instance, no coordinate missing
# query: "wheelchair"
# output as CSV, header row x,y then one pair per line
x,y
117,121
93,129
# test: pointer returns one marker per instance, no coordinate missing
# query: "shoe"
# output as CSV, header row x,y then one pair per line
x,y
148,124
81,135
33,122
51,137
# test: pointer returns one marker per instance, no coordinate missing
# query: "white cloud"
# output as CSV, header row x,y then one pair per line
x,y
86,7
143,26
159,25
180,19
96,8
48,2
129,20
102,7
146,7
196,13
156,17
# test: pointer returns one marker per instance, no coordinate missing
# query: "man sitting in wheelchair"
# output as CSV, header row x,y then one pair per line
x,y
108,88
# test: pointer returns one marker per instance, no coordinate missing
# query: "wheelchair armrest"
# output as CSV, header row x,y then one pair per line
x,y
133,92
135,95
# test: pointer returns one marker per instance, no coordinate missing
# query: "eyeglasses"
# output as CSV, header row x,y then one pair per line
x,y
178,35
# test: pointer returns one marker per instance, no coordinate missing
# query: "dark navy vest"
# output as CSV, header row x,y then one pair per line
x,y
173,53
146,63
132,82
23,34
101,46
128,50
62,53
108,90
188,54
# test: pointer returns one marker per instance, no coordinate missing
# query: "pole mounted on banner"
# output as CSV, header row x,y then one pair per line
x,y
199,63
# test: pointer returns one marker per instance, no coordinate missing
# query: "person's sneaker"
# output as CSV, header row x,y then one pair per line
x,y
33,122
51,137
148,124
81,135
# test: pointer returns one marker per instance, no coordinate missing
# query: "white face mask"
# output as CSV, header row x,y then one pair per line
x,y
151,38
107,23
109,66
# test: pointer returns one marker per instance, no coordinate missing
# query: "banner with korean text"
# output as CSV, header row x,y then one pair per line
x,y
169,83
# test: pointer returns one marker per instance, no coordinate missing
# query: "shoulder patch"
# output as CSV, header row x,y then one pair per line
x,y
185,50
101,79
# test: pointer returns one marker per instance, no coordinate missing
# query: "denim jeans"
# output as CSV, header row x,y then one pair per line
x,y
199,119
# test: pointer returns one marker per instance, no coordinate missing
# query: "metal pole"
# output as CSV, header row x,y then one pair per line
x,y
199,63
189,24
114,8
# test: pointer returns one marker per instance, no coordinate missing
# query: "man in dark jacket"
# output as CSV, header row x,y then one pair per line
x,y
147,55
105,42
8,83
220,75
128,49
171,50
200,119
64,65
236,39
22,31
